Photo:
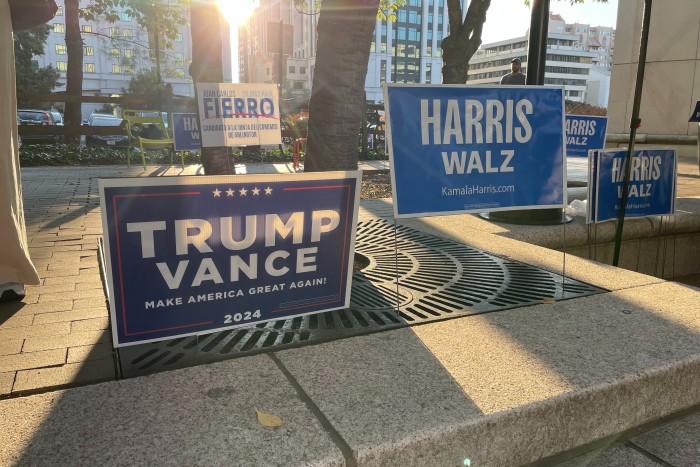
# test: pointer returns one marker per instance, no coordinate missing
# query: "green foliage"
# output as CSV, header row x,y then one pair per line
x,y
151,15
387,8
581,108
66,154
144,84
31,79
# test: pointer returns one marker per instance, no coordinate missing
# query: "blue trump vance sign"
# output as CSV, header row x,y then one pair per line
x,y
192,255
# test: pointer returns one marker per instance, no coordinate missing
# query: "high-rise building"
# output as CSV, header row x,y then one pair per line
x,y
598,39
405,51
573,50
114,52
279,41
408,50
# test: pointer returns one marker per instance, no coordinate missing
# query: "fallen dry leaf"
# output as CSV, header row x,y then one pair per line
x,y
268,420
548,301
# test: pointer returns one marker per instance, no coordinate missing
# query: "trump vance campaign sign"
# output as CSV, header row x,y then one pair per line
x,y
193,255
239,114
456,149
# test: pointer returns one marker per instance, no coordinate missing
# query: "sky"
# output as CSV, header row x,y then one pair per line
x,y
506,19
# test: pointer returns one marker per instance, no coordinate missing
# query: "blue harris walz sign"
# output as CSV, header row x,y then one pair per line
x,y
652,187
192,255
457,149
186,132
584,133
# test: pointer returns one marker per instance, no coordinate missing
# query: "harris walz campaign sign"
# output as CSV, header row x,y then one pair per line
x,y
186,132
193,255
584,133
652,185
456,149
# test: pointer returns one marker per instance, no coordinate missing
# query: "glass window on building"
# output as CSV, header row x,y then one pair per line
x,y
125,16
88,50
59,12
115,53
180,73
292,69
89,67
86,28
129,53
60,49
117,69
113,32
62,66
59,27
382,72
179,57
413,34
178,38
127,32
402,33
413,17
383,47
428,73
302,70
402,16
372,47
129,70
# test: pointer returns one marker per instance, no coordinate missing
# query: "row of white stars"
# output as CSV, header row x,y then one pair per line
x,y
242,192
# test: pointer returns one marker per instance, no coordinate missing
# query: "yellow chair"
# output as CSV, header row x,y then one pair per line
x,y
140,124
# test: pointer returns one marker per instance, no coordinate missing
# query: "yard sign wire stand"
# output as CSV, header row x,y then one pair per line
x,y
396,269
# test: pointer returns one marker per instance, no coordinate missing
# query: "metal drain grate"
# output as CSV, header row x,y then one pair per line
x,y
438,279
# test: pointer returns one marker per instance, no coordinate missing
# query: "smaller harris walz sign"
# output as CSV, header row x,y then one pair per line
x,y
193,255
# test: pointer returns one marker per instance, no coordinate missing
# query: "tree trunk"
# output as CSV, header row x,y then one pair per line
x,y
74,72
335,110
207,67
464,39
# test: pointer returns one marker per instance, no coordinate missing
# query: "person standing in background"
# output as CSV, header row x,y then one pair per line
x,y
514,77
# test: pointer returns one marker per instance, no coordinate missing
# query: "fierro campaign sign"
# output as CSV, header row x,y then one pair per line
x,y
192,255
239,114
464,148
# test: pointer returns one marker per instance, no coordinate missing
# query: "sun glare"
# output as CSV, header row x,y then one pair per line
x,y
237,12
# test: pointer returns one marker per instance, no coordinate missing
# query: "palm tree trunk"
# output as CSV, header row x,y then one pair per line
x,y
335,110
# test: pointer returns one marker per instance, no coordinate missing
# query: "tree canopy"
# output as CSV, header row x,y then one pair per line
x,y
31,79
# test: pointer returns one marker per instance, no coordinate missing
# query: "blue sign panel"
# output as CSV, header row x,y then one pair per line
x,y
695,116
193,255
584,133
456,149
186,132
652,187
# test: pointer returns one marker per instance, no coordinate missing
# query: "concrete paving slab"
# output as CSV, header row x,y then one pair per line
x,y
6,381
503,388
70,339
616,455
70,374
11,346
197,416
675,442
23,361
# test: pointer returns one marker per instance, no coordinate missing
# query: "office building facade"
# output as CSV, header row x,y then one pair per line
x,y
115,52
